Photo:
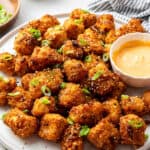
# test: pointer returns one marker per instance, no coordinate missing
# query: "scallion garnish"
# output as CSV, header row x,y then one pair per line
x,y
26,111
45,90
45,101
7,57
78,21
34,82
62,85
84,131
135,123
86,91
14,94
3,116
105,57
88,59
123,97
70,121
83,42
35,33
97,74
45,43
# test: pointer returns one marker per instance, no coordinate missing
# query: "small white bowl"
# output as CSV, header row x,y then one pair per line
x,y
131,80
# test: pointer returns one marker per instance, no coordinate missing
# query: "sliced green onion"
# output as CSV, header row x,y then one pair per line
x,y
26,111
60,50
78,21
70,121
86,91
84,131
7,57
146,136
45,43
58,27
102,43
105,57
83,42
69,52
85,11
62,85
14,94
45,90
124,97
135,123
45,101
34,82
97,74
35,33
3,116
88,58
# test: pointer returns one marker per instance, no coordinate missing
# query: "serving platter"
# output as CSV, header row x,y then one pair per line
x,y
12,142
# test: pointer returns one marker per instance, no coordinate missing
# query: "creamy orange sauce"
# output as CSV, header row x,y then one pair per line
x,y
134,58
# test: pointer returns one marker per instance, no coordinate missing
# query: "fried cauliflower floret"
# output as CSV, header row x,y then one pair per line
x,y
104,135
52,127
89,113
146,100
7,63
56,36
88,18
43,106
132,105
43,57
112,110
20,123
71,49
73,28
20,98
132,130
44,23
71,139
3,98
25,41
71,95
91,42
110,37
74,70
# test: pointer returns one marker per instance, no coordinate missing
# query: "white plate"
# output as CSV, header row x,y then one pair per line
x,y
12,142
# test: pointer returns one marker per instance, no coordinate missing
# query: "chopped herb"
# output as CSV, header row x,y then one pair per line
x,y
85,11
146,136
105,57
83,42
97,74
86,91
45,101
14,94
84,130
88,58
78,21
135,123
70,121
63,85
60,50
35,33
124,97
102,43
7,57
34,82
26,111
3,116
45,90
45,43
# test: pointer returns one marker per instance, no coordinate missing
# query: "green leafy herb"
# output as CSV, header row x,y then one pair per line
x,y
146,136
88,58
86,91
45,90
35,33
45,43
124,97
97,74
135,123
14,94
84,130
45,101
34,82
105,57
70,121
78,21
83,42
26,111
63,85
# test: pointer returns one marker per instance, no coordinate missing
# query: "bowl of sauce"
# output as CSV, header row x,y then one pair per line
x,y
9,10
130,58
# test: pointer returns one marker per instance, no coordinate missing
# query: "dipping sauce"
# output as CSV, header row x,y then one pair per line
x,y
134,58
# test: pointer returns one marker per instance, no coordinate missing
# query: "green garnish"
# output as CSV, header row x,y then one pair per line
x,y
70,121
84,131
124,97
86,91
146,136
78,21
85,11
62,85
35,33
105,57
4,15
7,57
97,74
34,82
60,50
45,90
88,58
45,43
3,117
102,43
45,101
69,52
14,94
135,123
26,111
58,27
83,42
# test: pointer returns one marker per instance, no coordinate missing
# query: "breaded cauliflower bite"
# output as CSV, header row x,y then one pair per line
x,y
89,113
3,98
20,123
52,127
132,130
146,100
132,105
56,36
43,57
112,110
71,49
20,98
104,135
71,95
43,106
88,18
75,70
71,139
73,27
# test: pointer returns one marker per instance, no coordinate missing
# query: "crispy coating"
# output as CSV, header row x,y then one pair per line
x,y
56,36
25,42
20,123
104,135
20,98
110,37
71,139
71,49
132,130
73,27
3,98
43,57
52,127
146,100
132,105
88,18
71,95
112,110
89,113
40,108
